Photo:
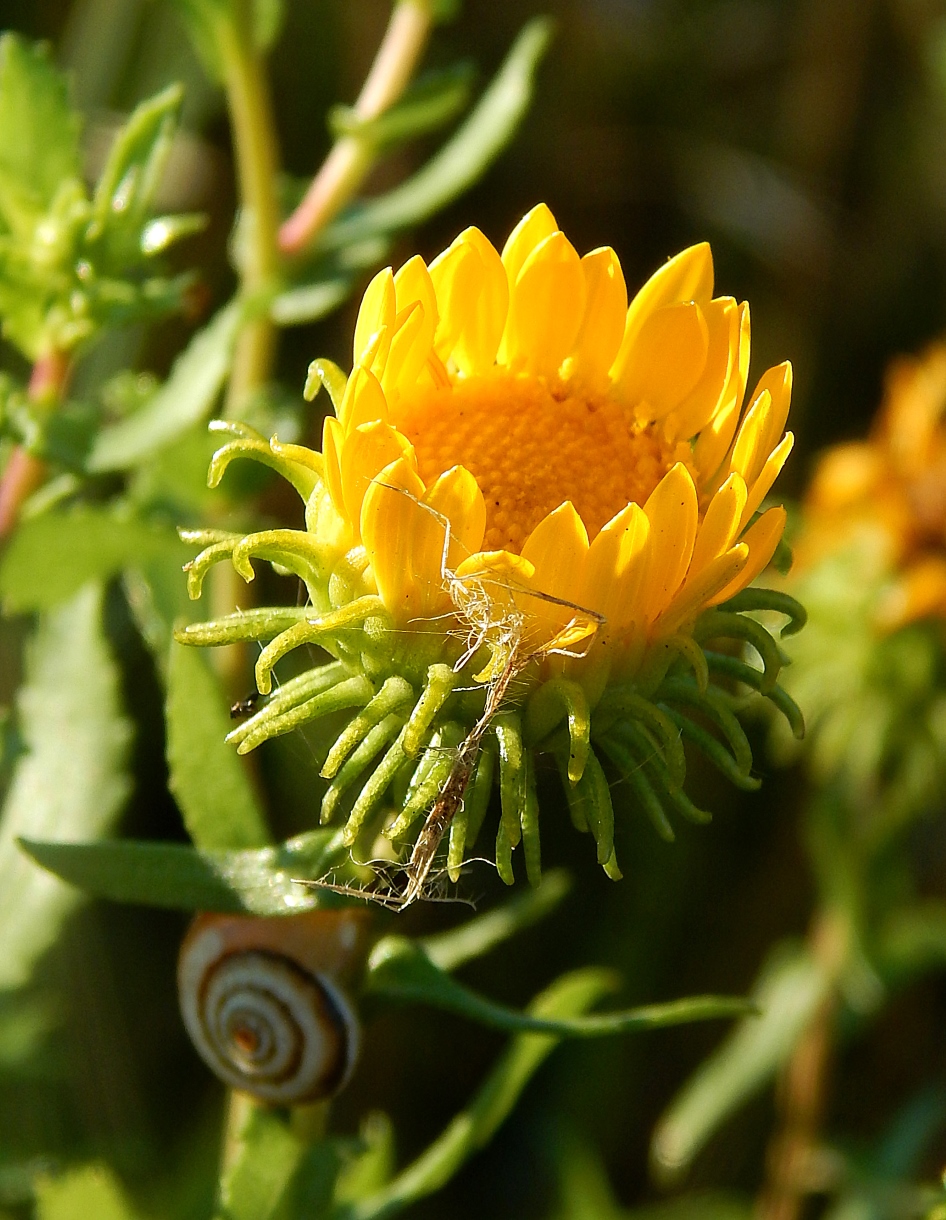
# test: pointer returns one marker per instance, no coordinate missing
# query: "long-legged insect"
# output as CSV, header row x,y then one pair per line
x,y
473,604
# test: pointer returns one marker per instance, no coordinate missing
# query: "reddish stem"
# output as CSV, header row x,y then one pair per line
x,y
351,157
25,472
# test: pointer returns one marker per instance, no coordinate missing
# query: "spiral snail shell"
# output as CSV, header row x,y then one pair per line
x,y
263,1003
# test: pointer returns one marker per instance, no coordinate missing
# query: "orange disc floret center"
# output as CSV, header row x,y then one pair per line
x,y
530,450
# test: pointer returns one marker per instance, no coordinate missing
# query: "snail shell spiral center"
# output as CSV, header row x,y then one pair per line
x,y
264,1023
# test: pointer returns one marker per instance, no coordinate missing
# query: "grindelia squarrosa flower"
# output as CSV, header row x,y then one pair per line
x,y
870,565
527,487
887,494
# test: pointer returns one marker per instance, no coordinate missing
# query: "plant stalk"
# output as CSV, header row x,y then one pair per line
x,y
804,1090
255,150
350,159
24,472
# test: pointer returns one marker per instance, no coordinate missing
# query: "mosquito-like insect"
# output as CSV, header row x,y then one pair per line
x,y
243,707
500,626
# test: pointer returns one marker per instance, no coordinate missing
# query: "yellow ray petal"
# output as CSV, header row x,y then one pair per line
x,y
615,568
703,402
366,451
454,504
602,326
715,438
686,277
333,437
410,347
761,429
457,276
747,456
476,348
530,232
761,538
704,589
720,525
413,283
545,307
388,521
557,548
533,229
773,464
364,401
778,382
666,361
673,512
377,310
456,495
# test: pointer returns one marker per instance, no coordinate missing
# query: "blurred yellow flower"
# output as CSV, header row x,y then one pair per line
x,y
534,507
888,494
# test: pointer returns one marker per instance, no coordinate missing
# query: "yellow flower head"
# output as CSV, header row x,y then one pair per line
x,y
590,449
888,494
531,489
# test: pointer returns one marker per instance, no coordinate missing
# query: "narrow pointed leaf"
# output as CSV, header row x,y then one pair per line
x,y
787,995
186,398
400,970
209,783
179,877
70,783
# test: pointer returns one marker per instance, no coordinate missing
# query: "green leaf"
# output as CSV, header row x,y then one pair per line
x,y
478,936
135,163
473,1127
429,103
788,992
308,302
400,970
39,134
464,158
90,1191
209,782
275,1174
186,398
180,878
53,555
71,783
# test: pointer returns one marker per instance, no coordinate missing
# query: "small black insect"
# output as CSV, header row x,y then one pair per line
x,y
243,707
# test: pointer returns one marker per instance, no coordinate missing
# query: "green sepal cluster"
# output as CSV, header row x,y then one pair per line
x,y
410,699
72,262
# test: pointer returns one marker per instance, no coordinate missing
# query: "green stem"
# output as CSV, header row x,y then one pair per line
x,y
255,149
803,1096
351,157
